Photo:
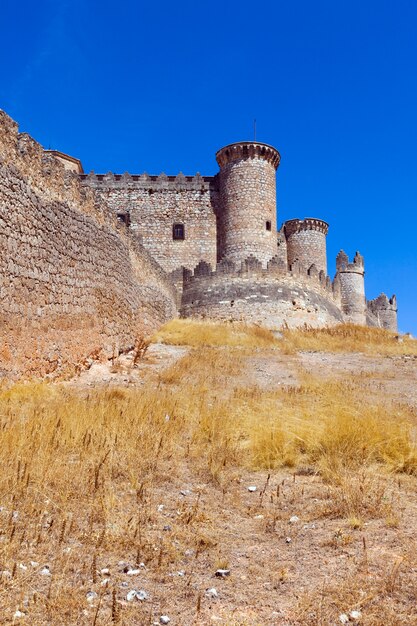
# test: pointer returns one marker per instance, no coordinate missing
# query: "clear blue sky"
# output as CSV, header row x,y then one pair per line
x,y
160,86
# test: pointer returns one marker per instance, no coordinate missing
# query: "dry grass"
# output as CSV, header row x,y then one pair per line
x,y
85,472
349,338
198,333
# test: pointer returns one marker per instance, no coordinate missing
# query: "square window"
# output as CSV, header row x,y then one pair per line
x,y
178,232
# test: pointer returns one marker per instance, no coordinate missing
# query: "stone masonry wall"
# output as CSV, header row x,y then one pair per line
x,y
71,283
155,204
272,298
247,202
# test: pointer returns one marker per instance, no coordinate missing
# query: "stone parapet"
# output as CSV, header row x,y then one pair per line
x,y
243,150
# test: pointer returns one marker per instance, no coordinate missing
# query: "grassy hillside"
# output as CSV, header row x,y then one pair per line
x,y
101,481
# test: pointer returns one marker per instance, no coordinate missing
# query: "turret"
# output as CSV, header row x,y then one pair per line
x,y
306,242
247,217
384,311
352,287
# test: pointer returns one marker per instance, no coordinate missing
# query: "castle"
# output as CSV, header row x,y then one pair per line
x,y
89,262
217,238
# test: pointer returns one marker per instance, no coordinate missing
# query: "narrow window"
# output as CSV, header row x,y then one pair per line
x,y
124,217
178,232
268,225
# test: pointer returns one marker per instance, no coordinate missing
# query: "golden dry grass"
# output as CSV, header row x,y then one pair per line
x,y
209,333
349,338
84,471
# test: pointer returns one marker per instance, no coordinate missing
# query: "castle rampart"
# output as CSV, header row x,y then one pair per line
x,y
272,296
71,282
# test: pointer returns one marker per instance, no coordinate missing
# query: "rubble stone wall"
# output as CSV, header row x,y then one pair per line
x,y
71,282
155,203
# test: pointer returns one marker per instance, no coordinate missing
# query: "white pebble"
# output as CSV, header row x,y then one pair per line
x,y
343,618
91,596
288,539
222,573
294,519
18,614
105,570
355,614
160,508
133,572
21,566
252,488
212,593
164,619
45,571
105,582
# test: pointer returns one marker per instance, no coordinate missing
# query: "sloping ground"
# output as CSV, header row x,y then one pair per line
x,y
137,478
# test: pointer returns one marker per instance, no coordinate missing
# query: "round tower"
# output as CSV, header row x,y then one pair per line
x,y
352,287
306,242
247,216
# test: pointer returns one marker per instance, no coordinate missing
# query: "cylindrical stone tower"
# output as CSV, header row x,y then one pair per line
x,y
306,242
352,287
247,215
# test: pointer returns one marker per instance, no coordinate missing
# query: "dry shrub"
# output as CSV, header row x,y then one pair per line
x,y
209,333
348,338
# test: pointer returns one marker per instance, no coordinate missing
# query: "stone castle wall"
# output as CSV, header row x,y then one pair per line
x,y
155,204
71,283
271,297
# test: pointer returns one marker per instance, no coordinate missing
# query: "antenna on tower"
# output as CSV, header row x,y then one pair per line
x,y
254,129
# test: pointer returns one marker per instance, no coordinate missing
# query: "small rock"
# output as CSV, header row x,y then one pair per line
x,y
294,519
105,582
34,563
133,572
343,618
167,418
181,573
222,573
355,615
212,593
258,517
91,596
252,488
19,614
288,539
21,566
105,570
160,508
124,584
164,619
131,595
167,527
138,594
185,492
45,571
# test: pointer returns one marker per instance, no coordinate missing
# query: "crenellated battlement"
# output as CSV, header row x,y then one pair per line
x,y
382,312
251,268
308,223
243,150
343,264
151,183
